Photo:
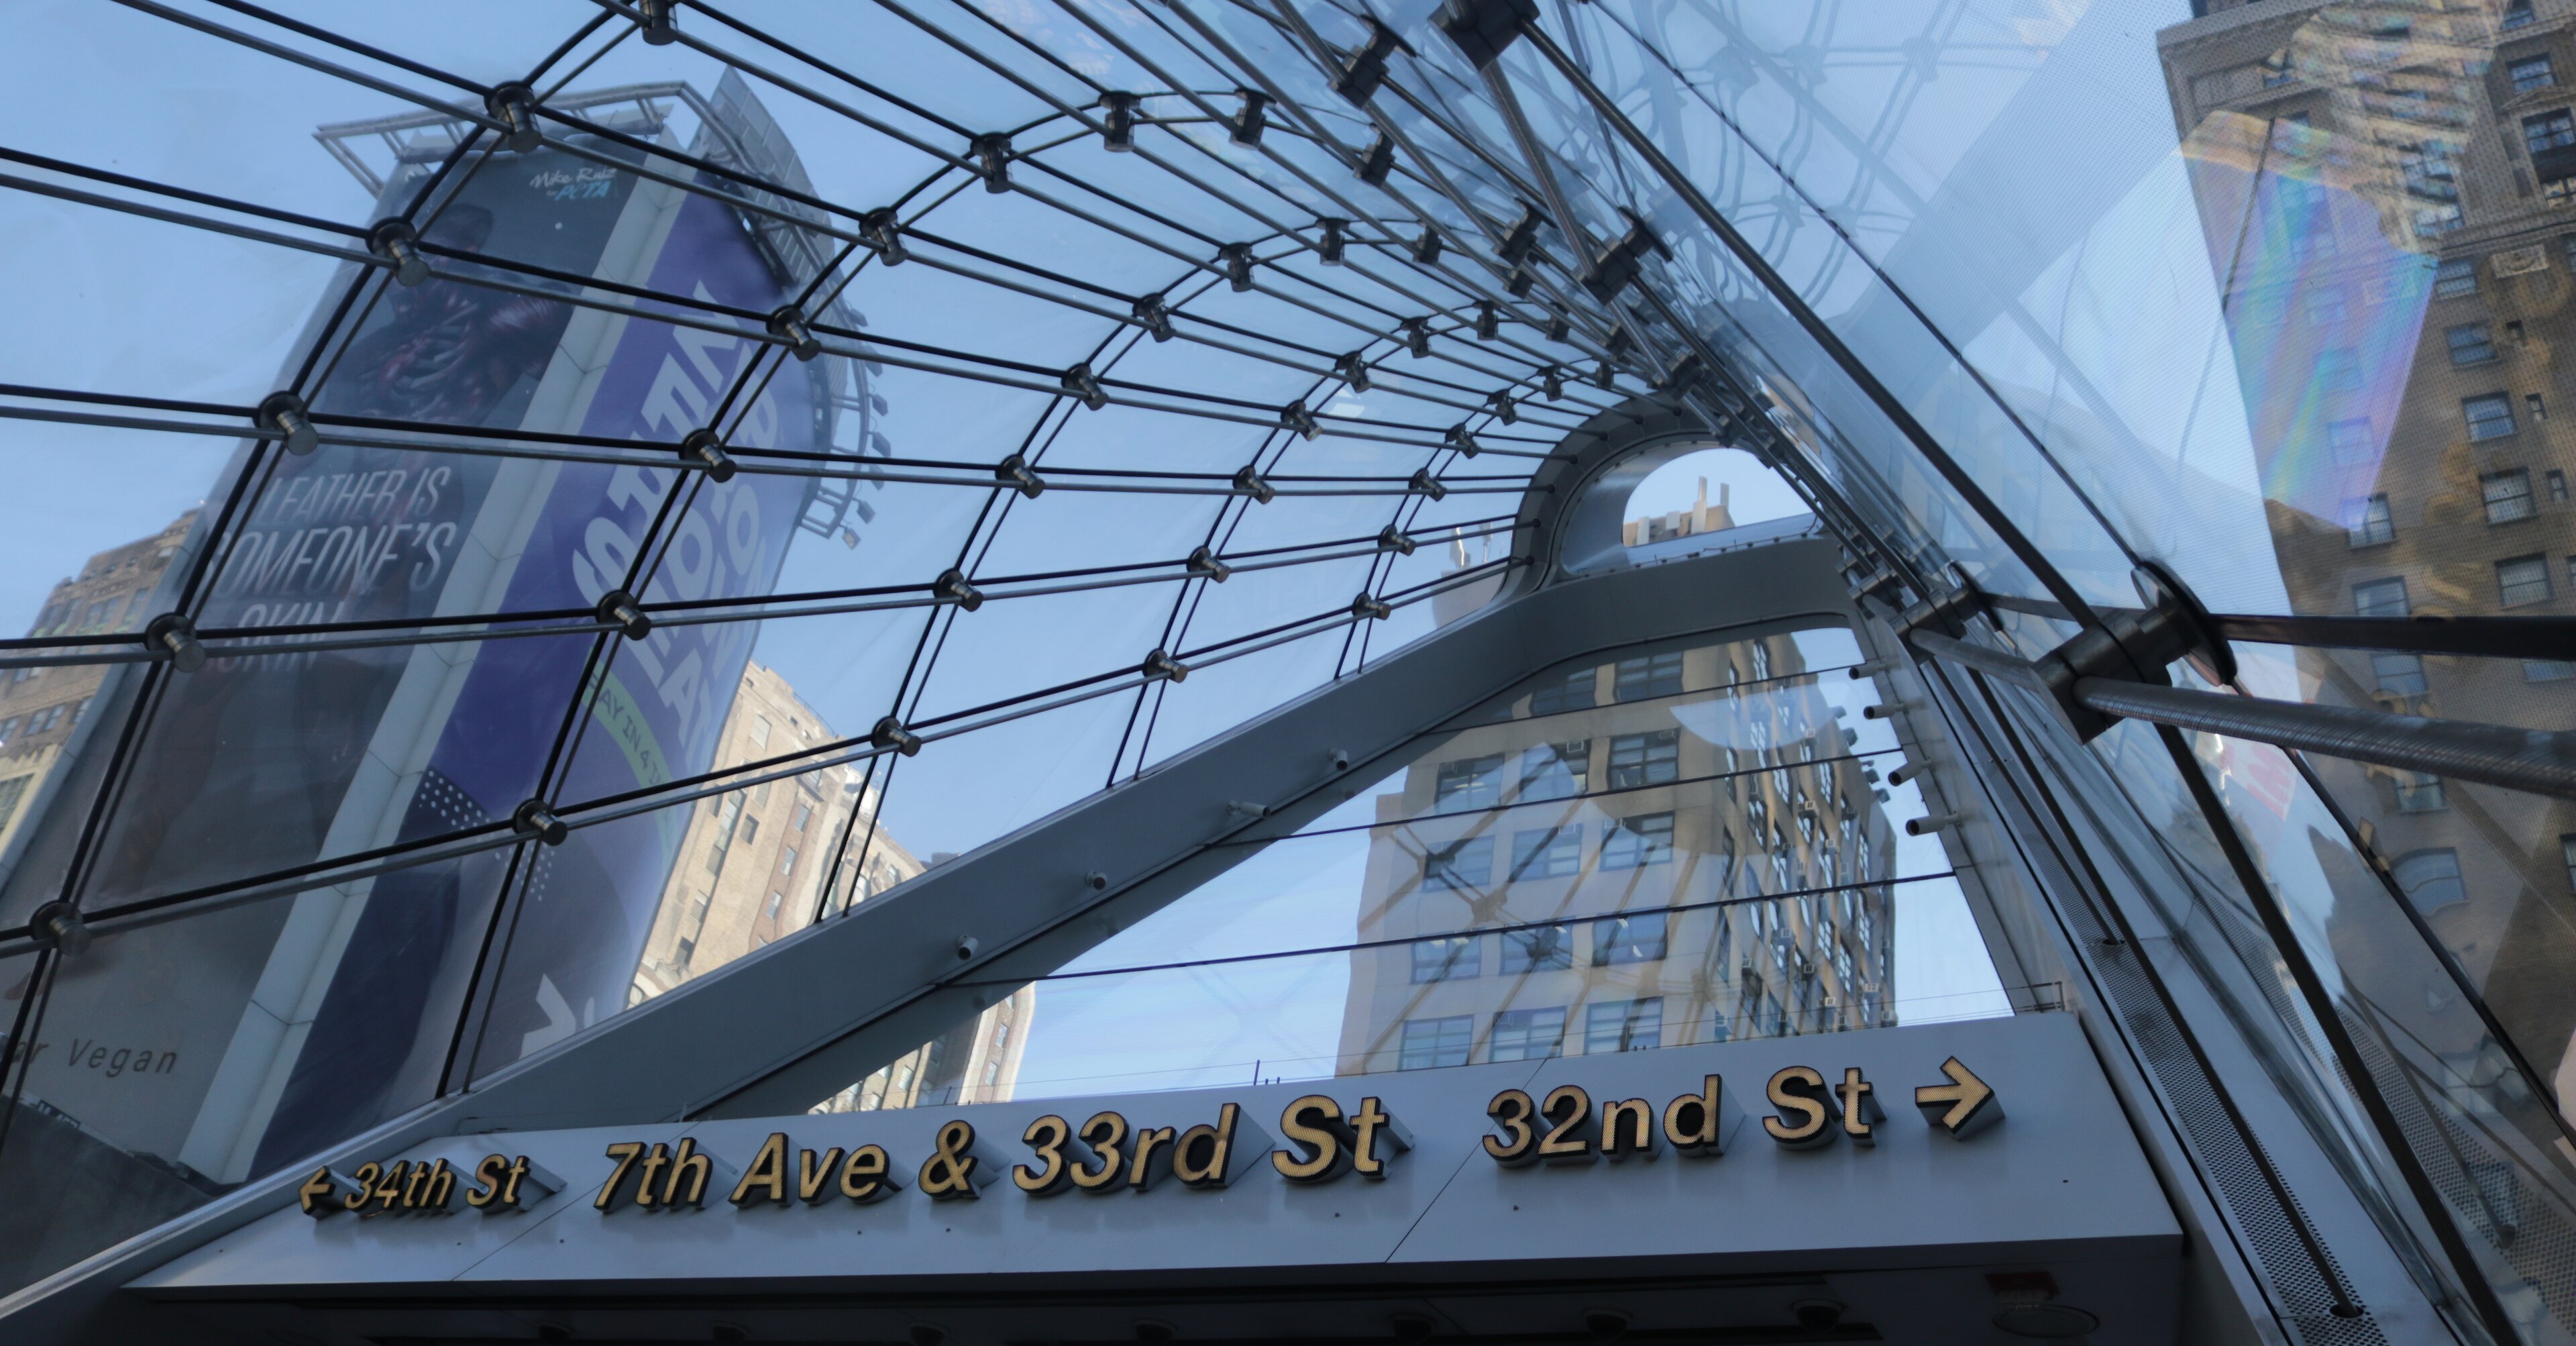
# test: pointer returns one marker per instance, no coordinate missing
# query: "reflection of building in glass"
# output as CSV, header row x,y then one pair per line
x,y
978,1061
1702,517
39,706
759,863
1580,849
2385,192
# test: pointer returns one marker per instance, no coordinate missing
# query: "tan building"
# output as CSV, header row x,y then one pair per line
x,y
38,706
1648,852
2388,193
1700,518
758,864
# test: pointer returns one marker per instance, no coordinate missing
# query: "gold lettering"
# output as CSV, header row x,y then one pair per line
x,y
412,1186
1570,1140
389,1188
441,1188
1045,1138
949,1173
1104,1134
1692,1121
1153,1157
320,1194
1314,1125
866,1175
1860,1107
768,1172
813,1175
363,1183
1204,1153
1627,1127
1370,1125
624,1153
1512,1110
1798,1090
519,1170
488,1177
648,1187
690,1167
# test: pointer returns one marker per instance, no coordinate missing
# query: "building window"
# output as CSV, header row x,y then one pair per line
x,y
2557,481
2508,495
1465,864
776,900
2430,879
1564,692
1623,1025
1645,759
1545,948
2339,369
2548,131
2471,343
2530,72
1652,676
2399,674
1637,938
2489,417
1472,783
2419,792
1527,1035
751,823
2522,579
2434,219
12,790
2533,670
2517,14
1552,853
760,731
2380,598
2326,306
2367,522
8,727
804,814
2349,442
1555,770
1634,843
1448,959
786,859
1434,1042
2456,276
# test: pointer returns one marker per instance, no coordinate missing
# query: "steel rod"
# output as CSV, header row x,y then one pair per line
x,y
2536,760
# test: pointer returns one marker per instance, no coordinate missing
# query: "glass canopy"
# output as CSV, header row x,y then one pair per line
x,y
601,488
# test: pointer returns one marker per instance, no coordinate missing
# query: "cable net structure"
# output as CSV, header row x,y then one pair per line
x,y
510,462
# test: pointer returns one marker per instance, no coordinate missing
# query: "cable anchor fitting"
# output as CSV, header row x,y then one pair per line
x,y
618,608
703,450
1015,470
890,733
788,324
173,635
398,245
284,412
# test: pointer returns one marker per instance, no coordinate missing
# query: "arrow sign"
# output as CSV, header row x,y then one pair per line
x,y
1964,1106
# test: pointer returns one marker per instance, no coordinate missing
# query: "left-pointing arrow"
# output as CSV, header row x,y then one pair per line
x,y
1964,1106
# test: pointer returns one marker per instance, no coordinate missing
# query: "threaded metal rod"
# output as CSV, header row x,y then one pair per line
x,y
2536,760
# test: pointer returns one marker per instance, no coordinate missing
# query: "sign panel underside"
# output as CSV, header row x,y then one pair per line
x,y
1917,1234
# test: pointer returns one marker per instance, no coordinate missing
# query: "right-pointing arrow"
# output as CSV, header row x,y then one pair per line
x,y
1964,1106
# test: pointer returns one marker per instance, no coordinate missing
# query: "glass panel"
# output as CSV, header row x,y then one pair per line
x,y
1667,845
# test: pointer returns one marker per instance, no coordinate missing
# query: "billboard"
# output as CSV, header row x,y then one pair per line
x,y
286,1024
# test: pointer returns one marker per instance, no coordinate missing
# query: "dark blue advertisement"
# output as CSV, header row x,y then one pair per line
x,y
566,945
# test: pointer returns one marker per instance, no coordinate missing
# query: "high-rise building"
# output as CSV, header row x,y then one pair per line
x,y
1670,848
760,863
39,706
2388,197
